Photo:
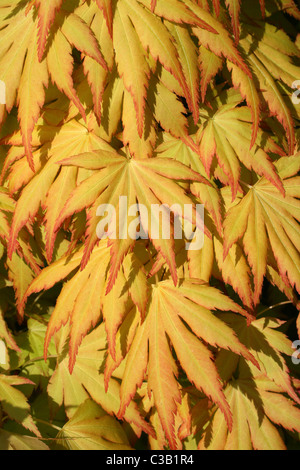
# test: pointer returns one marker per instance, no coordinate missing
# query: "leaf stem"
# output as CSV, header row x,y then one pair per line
x,y
246,184
36,359
53,426
275,306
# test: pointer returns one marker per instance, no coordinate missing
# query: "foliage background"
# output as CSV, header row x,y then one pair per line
x,y
144,345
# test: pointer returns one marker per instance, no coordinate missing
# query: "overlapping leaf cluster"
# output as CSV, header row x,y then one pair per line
x,y
165,102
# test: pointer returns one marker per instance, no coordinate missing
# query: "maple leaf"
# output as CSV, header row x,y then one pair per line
x,y
144,181
182,426
209,64
234,7
166,103
33,340
87,290
70,138
98,77
6,335
268,345
13,441
252,429
46,14
178,12
141,30
11,396
189,59
92,429
290,7
7,205
169,307
24,265
207,194
220,44
161,99
84,309
218,139
106,7
268,72
248,90
28,82
131,59
112,103
235,271
140,147
86,381
262,213
21,275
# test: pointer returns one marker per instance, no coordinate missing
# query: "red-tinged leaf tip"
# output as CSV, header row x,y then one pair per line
x,y
140,124
28,150
46,14
111,340
263,8
106,7
122,410
216,4
86,256
153,5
